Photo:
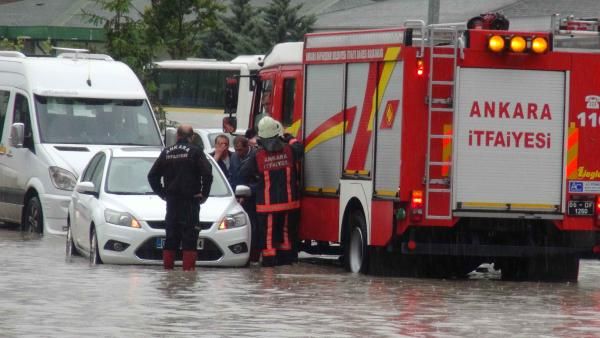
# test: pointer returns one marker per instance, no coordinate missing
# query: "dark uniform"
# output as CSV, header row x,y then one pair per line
x,y
186,172
274,167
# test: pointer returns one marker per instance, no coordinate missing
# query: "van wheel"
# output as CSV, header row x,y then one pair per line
x,y
356,251
94,250
33,218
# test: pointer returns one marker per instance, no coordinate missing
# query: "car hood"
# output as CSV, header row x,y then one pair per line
x,y
73,157
152,207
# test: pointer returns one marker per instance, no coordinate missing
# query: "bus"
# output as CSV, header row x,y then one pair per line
x,y
191,91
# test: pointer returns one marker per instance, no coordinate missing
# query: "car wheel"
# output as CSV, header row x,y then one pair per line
x,y
33,219
70,249
94,250
356,250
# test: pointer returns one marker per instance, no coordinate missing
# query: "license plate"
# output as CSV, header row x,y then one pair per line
x,y
160,243
581,208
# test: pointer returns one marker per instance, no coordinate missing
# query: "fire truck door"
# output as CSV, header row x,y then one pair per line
x,y
509,140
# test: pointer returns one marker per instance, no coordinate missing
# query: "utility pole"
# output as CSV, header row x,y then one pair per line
x,y
433,13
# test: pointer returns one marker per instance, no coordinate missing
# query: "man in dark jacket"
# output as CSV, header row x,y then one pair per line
x,y
243,152
186,177
222,155
274,166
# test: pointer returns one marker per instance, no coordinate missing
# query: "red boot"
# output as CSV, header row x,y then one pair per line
x,y
189,260
168,259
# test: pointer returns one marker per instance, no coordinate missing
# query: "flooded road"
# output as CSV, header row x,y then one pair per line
x,y
45,295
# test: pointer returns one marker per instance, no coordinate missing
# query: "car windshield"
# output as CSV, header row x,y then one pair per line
x,y
128,176
96,121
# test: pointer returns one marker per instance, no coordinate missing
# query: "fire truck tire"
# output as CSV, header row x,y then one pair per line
x,y
356,250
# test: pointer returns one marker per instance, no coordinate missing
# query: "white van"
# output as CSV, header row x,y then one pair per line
x,y
55,114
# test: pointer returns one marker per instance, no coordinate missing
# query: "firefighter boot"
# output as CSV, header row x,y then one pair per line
x,y
168,259
189,260
286,257
269,257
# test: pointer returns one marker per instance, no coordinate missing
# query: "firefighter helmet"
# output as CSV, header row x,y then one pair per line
x,y
269,127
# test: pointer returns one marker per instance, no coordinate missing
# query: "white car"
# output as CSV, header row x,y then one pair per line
x,y
114,217
209,135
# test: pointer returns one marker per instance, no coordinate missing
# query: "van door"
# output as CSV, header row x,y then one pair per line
x,y
5,103
17,163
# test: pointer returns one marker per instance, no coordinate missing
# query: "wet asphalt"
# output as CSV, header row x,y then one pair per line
x,y
45,295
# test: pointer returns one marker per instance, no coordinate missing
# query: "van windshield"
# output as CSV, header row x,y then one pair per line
x,y
96,121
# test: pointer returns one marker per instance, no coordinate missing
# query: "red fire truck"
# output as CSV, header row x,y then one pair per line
x,y
447,146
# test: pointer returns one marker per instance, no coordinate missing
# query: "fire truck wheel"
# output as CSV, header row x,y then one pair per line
x,y
356,251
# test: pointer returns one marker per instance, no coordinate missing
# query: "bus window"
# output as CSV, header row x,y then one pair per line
x,y
192,88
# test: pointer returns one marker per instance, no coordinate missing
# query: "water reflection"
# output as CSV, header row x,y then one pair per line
x,y
44,295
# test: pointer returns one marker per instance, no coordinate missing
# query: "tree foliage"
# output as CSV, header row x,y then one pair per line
x,y
16,45
192,28
283,23
180,25
236,32
126,33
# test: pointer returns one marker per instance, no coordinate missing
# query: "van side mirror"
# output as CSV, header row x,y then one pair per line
x,y
229,124
85,188
243,191
232,85
17,134
170,136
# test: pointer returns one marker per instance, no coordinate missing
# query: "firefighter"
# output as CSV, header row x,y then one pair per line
x,y
274,167
186,179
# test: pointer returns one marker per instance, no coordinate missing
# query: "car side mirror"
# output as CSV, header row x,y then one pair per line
x,y
243,191
17,134
170,136
87,188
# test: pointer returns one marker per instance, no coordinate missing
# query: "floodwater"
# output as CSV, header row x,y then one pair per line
x,y
45,295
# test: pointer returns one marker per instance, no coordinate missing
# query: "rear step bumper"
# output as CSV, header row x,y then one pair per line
x,y
490,250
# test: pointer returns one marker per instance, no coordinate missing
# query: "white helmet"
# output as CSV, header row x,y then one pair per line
x,y
269,127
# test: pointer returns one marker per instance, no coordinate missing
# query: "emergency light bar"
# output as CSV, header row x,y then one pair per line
x,y
498,43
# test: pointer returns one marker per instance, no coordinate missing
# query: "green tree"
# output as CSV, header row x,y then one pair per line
x,y
237,32
283,23
181,25
126,34
16,45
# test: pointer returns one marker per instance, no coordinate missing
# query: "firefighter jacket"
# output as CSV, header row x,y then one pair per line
x,y
274,166
185,171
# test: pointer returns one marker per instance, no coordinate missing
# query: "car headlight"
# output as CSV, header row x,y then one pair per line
x,y
233,221
62,178
121,218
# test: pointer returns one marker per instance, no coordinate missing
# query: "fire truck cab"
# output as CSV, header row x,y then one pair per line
x,y
445,145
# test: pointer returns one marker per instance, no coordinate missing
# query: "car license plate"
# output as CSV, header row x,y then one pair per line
x,y
160,242
581,208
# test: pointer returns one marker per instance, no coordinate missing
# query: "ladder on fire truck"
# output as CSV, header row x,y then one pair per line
x,y
443,42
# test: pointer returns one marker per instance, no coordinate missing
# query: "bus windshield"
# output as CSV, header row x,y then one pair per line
x,y
96,121
192,88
